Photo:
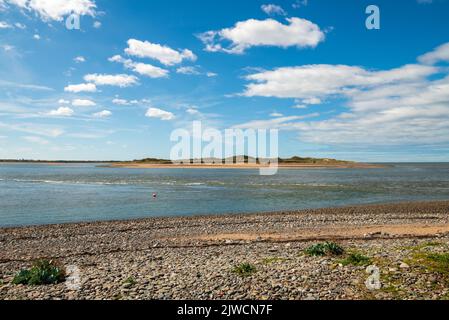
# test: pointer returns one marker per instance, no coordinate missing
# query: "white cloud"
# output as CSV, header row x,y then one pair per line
x,y
56,10
20,25
141,68
164,54
36,37
188,70
441,53
5,25
121,102
119,80
160,114
276,114
102,114
300,3
312,101
272,9
83,87
211,74
313,82
62,112
37,140
97,24
276,123
62,101
408,105
83,103
79,59
149,70
246,34
192,111
7,47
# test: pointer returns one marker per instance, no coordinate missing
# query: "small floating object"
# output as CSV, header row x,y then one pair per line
x,y
154,195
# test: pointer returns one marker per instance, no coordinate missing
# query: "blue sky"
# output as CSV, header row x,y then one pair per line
x,y
136,70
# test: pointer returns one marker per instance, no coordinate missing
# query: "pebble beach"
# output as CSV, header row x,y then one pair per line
x,y
196,257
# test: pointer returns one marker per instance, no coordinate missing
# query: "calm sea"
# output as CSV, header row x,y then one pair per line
x,y
33,194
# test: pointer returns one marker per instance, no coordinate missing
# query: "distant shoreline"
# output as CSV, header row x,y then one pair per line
x,y
249,166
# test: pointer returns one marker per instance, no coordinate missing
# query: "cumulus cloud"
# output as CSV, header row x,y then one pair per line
x,y
5,25
192,111
165,55
297,32
79,59
439,54
312,82
408,105
121,102
20,25
272,9
188,70
56,9
300,3
102,114
159,114
118,80
62,112
141,68
83,103
83,87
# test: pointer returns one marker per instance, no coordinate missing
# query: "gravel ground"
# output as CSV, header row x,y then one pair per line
x,y
194,258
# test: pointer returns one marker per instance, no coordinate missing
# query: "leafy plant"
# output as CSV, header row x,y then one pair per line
x,y
334,249
244,269
316,250
42,272
356,259
326,248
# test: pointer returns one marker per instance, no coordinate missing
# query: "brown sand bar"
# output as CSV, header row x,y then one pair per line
x,y
193,257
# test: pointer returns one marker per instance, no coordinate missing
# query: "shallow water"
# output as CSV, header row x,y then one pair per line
x,y
44,194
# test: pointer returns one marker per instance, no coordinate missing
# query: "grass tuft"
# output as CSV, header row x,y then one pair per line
x,y
130,281
356,259
244,269
43,272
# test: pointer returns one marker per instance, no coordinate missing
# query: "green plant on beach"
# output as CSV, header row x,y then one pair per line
x,y
130,281
356,259
42,272
326,248
244,269
435,262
